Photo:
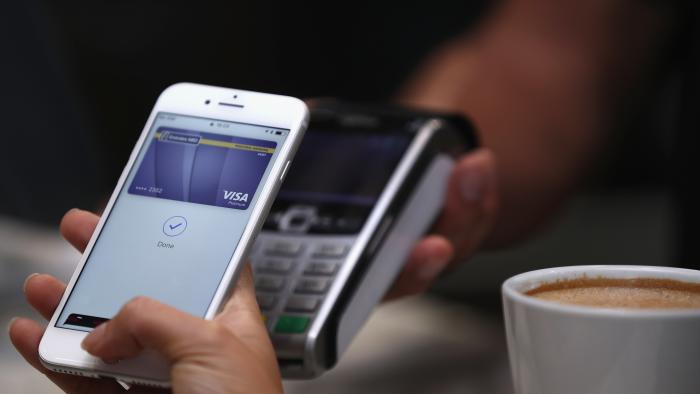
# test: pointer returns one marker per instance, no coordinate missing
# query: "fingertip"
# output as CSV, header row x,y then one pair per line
x,y
91,340
471,197
476,179
477,157
38,282
25,336
246,274
428,259
68,219
77,227
26,282
16,325
472,176
10,324
438,246
44,292
434,257
243,296
245,288
481,160
43,283
242,308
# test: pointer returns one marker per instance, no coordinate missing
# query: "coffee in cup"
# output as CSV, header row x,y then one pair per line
x,y
636,293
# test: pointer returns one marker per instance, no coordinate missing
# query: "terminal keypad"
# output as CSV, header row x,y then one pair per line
x,y
292,277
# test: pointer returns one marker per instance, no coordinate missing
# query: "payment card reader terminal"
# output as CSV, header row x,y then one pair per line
x,y
366,184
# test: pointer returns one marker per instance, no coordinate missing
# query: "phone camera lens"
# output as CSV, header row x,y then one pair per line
x,y
235,96
207,102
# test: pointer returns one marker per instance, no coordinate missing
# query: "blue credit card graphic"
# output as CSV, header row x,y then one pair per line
x,y
203,168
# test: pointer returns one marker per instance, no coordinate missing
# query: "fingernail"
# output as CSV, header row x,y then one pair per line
x,y
24,286
12,321
472,185
93,338
431,269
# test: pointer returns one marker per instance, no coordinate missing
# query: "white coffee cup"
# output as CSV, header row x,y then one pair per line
x,y
568,349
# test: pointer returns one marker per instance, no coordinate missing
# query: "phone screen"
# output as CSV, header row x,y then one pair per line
x,y
177,219
341,173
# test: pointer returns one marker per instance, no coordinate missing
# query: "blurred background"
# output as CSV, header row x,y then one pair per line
x,y
80,77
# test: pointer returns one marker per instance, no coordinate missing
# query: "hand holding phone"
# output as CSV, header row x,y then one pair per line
x,y
191,199
228,360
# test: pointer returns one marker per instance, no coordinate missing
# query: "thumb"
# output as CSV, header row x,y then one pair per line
x,y
241,315
471,203
144,323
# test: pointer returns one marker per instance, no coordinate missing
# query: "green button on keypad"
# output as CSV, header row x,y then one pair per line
x,y
291,324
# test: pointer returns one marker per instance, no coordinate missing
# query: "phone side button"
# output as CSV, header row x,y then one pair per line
x,y
284,171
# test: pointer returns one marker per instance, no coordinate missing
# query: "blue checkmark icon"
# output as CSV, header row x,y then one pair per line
x,y
174,226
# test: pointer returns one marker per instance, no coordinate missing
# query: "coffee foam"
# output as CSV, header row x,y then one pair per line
x,y
638,293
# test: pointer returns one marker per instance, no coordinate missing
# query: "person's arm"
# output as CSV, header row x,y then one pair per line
x,y
543,80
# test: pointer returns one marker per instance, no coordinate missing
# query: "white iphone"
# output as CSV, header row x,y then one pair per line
x,y
192,198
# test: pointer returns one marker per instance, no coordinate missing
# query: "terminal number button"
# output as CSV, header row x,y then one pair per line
x,y
312,285
320,268
276,266
269,283
302,304
284,248
331,250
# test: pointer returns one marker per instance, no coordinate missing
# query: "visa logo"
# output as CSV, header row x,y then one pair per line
x,y
235,196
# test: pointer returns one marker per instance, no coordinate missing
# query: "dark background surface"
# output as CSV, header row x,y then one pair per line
x,y
80,77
